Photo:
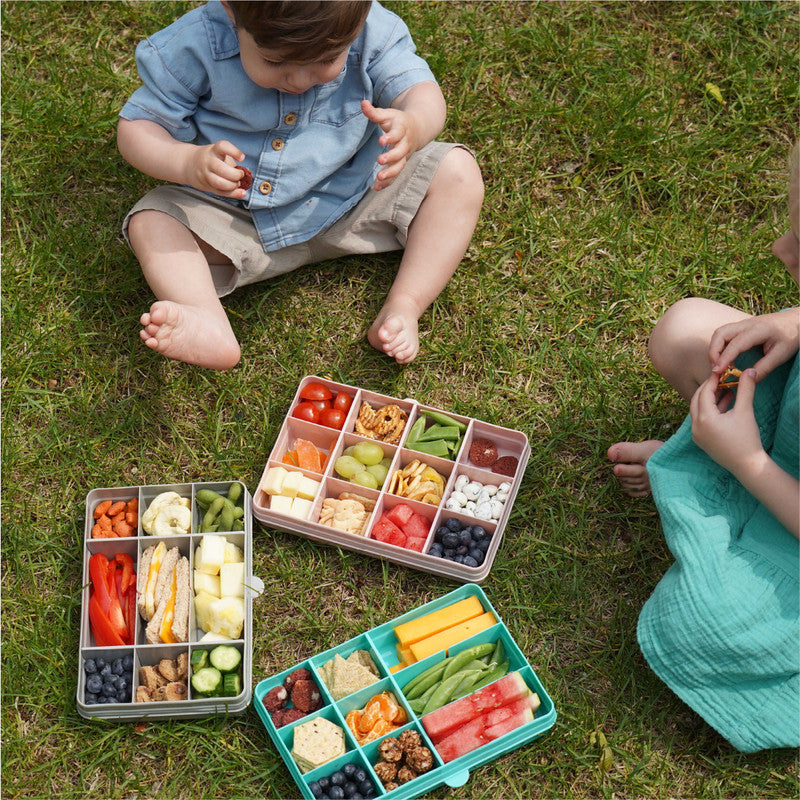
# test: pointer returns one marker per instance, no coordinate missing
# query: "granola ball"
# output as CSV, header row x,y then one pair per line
x,y
405,774
390,750
409,740
386,771
420,759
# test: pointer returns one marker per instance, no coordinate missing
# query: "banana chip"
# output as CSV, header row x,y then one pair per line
x,y
418,481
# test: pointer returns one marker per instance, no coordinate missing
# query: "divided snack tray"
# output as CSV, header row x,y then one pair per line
x,y
380,643
142,653
454,471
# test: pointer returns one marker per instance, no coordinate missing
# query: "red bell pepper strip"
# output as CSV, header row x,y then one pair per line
x,y
131,602
107,600
127,571
104,633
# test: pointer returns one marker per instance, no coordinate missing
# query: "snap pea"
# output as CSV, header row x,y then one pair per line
x,y
468,679
443,419
499,654
442,693
422,682
492,676
418,703
465,656
416,429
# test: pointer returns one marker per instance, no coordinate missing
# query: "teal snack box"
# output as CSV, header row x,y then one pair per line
x,y
361,761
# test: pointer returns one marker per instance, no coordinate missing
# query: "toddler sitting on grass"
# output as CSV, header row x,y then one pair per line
x,y
290,133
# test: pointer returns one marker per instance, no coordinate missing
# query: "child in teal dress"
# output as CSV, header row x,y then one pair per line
x,y
722,628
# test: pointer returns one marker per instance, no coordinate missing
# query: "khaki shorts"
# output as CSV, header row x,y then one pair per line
x,y
377,224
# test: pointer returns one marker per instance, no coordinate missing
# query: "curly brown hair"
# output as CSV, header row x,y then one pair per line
x,y
308,30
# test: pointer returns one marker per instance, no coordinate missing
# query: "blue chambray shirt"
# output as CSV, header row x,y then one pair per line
x,y
313,155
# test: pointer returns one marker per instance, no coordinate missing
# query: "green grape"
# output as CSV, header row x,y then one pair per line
x,y
379,471
347,466
348,451
368,453
387,462
365,479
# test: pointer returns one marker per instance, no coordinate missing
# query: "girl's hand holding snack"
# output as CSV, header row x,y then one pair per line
x,y
777,333
728,434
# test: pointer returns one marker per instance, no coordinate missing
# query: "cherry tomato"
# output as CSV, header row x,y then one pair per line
x,y
343,401
320,405
306,411
333,418
315,391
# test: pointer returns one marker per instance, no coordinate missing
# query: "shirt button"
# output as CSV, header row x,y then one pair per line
x,y
290,118
277,144
265,187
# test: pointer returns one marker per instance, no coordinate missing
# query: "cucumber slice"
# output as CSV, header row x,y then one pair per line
x,y
225,658
199,659
231,684
207,681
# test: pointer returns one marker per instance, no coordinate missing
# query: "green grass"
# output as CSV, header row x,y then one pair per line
x,y
615,185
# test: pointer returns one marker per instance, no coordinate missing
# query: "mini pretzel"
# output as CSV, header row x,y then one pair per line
x,y
385,424
729,379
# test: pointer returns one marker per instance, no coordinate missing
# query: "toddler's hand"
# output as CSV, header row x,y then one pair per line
x,y
400,134
212,168
778,334
729,435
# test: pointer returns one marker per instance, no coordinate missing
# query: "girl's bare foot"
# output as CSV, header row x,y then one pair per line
x,y
396,334
190,334
630,465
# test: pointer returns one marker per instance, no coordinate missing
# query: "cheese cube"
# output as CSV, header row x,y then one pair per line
x,y
231,580
300,508
281,504
291,483
308,488
273,480
212,554
203,582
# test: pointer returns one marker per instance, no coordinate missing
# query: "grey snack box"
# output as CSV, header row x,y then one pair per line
x,y
509,443
142,653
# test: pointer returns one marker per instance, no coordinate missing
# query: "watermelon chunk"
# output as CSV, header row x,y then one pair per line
x,y
415,543
485,728
507,689
384,530
400,514
416,526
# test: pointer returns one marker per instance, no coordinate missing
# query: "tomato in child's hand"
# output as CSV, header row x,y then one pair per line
x,y
306,411
332,418
320,405
315,391
343,401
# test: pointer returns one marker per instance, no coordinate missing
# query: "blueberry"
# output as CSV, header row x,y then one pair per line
x,y
476,553
336,792
90,698
116,666
109,690
435,550
360,775
453,524
348,770
469,561
440,532
337,779
366,786
90,666
465,537
462,550
127,662
313,787
106,670
94,684
350,789
450,540
356,796
99,662
477,532
324,783
123,684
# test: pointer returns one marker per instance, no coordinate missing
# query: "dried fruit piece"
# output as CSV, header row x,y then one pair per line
x,y
507,465
483,452
246,181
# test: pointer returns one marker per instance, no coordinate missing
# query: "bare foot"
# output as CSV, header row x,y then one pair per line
x,y
190,334
631,458
395,333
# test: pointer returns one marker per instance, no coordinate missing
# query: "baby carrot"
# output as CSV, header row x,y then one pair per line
x,y
115,509
104,522
133,505
132,518
102,508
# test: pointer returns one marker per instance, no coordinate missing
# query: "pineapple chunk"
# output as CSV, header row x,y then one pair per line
x,y
202,606
226,616
233,554
203,582
231,580
212,554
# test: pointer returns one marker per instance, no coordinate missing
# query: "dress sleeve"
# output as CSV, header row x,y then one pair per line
x,y
167,96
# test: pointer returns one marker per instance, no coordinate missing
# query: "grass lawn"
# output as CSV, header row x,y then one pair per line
x,y
617,182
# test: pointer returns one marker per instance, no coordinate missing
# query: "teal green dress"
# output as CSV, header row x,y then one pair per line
x,y
722,628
